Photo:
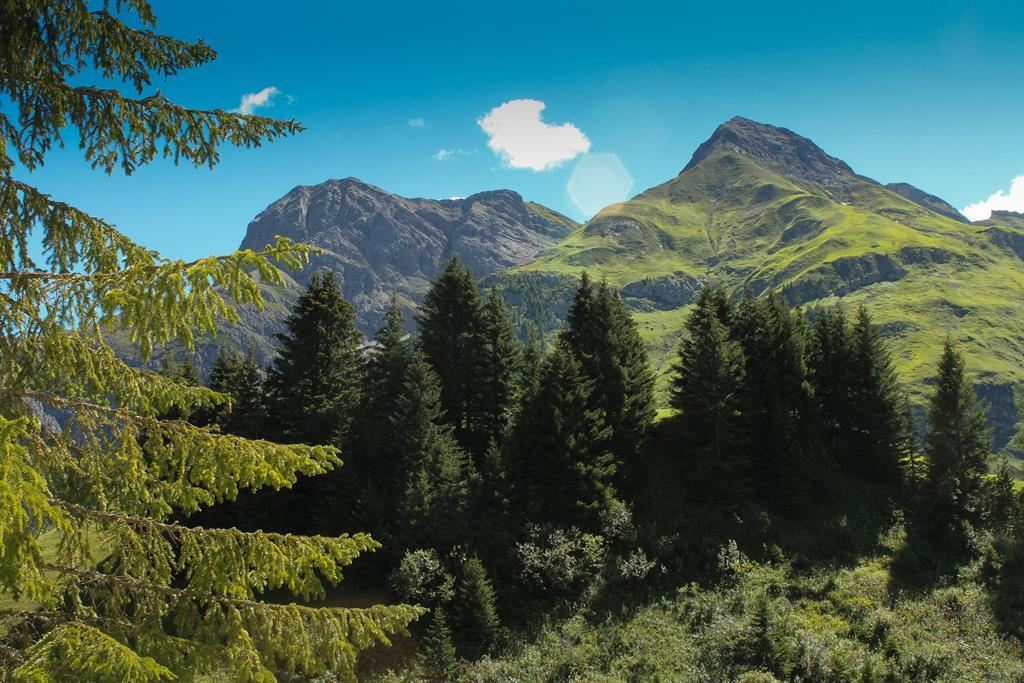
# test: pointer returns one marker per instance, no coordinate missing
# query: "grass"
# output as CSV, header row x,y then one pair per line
x,y
733,222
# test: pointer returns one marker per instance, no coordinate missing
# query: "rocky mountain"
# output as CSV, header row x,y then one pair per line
x,y
761,207
378,243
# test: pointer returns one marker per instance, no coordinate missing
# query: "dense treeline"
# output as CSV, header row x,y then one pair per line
x,y
505,480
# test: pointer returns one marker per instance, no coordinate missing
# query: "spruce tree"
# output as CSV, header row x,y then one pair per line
x,y
313,385
168,600
878,411
239,377
478,625
830,370
497,376
561,468
432,509
604,339
957,444
451,337
706,390
439,648
776,400
374,474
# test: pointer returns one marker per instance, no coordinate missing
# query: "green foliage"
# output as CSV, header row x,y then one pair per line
x,y
313,385
957,443
240,378
499,369
437,472
706,391
422,579
604,339
451,338
560,562
475,610
161,599
439,647
560,467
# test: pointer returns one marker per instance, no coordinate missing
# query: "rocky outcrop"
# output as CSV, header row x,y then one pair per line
x,y
662,293
842,276
377,243
928,201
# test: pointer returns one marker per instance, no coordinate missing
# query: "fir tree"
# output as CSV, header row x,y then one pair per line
x,y
375,475
957,444
437,472
605,340
830,370
451,337
706,390
776,400
239,377
439,648
561,468
314,382
477,615
169,600
880,422
499,370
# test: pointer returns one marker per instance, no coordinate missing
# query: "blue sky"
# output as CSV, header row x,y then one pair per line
x,y
930,93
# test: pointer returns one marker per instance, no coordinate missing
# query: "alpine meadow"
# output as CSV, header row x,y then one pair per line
x,y
761,422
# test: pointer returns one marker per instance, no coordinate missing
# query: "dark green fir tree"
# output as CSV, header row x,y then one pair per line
x,y
240,377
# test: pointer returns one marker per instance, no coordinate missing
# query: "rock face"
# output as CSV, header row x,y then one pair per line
x,y
928,201
777,149
378,243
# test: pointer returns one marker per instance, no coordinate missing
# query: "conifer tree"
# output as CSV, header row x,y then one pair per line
x,y
439,648
706,390
313,384
432,511
239,377
374,468
561,468
776,400
478,625
830,370
604,339
451,337
167,600
877,405
958,442
499,370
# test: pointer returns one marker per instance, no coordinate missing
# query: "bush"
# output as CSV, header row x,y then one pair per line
x,y
561,562
420,578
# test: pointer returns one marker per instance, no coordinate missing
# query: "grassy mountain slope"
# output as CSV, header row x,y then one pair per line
x,y
761,207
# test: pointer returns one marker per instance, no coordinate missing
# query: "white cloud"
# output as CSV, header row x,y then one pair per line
x,y
518,135
417,122
444,154
263,98
1014,201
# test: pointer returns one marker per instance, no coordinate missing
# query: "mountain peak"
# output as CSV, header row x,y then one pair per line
x,y
779,149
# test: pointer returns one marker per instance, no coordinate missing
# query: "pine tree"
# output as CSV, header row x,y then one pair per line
x,y
478,625
561,469
604,339
375,480
439,648
499,370
451,337
314,382
958,442
830,370
432,511
877,406
776,400
706,390
168,600
239,377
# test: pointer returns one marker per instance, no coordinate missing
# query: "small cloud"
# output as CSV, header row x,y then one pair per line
x,y
263,98
1014,201
455,198
289,99
522,139
417,122
449,154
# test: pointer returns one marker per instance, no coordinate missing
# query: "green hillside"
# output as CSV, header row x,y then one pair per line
x,y
761,207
